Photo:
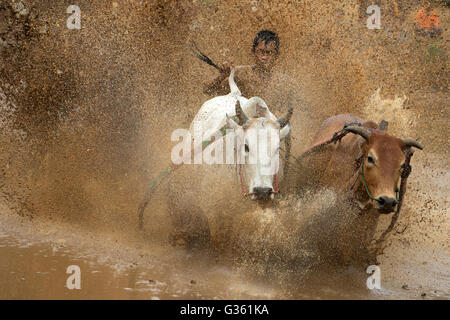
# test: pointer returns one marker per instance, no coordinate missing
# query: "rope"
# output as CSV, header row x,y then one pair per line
x,y
404,177
163,175
337,137
365,183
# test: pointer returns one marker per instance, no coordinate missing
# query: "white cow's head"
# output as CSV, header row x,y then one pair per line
x,y
258,142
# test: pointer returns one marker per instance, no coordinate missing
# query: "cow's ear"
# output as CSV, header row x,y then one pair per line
x,y
285,131
231,124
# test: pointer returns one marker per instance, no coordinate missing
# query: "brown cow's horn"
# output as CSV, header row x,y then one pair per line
x,y
363,132
240,114
284,120
412,143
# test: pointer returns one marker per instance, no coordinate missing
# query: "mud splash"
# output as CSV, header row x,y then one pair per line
x,y
84,123
35,257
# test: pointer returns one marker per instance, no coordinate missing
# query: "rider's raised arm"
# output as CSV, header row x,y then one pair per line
x,y
218,86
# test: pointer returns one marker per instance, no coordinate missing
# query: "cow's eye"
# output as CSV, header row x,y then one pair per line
x,y
370,160
246,148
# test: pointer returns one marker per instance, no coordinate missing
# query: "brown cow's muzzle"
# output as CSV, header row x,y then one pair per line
x,y
386,204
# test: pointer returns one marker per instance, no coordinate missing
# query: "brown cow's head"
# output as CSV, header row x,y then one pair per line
x,y
383,162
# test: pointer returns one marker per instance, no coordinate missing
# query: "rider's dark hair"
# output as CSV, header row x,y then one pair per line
x,y
266,36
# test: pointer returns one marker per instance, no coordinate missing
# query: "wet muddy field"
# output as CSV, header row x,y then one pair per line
x,y
36,258
86,117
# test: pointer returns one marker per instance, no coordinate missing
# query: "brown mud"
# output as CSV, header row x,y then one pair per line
x,y
85,123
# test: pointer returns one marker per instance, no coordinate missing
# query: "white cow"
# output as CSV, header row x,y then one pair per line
x,y
213,114
190,190
255,120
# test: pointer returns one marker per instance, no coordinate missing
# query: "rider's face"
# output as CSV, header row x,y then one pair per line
x,y
265,54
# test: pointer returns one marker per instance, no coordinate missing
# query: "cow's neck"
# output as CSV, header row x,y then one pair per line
x,y
357,192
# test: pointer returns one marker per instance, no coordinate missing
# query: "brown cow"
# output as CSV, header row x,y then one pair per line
x,y
381,158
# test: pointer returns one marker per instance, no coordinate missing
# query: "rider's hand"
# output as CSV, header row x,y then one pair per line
x,y
226,69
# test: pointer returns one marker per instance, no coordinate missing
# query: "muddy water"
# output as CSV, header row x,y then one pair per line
x,y
38,271
86,122
33,265
35,254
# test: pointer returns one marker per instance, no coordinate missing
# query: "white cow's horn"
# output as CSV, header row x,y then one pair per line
x,y
240,114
